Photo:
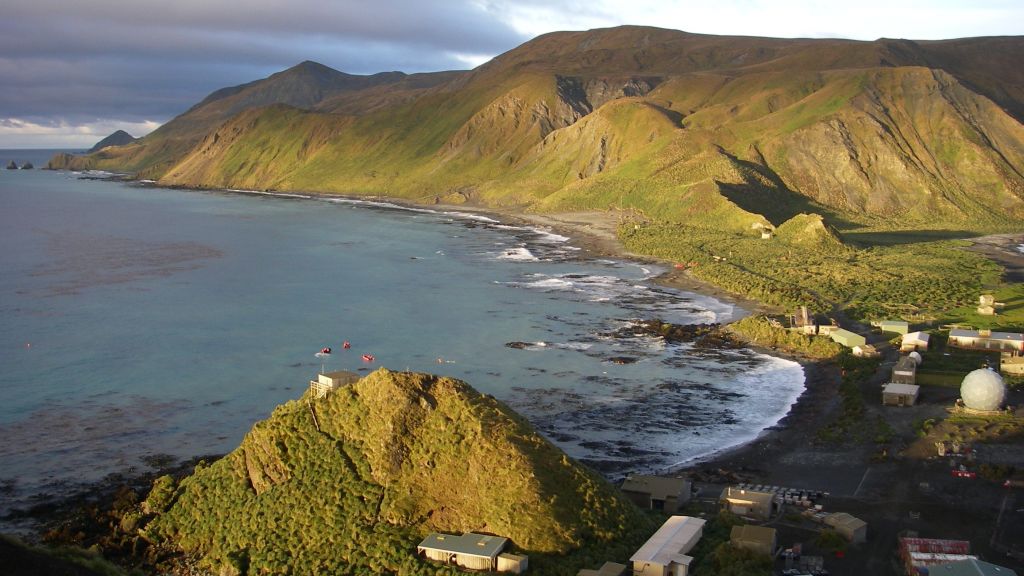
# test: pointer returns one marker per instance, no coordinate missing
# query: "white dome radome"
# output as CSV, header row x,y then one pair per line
x,y
983,389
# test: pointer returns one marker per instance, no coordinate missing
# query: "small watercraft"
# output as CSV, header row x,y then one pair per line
x,y
345,345
368,358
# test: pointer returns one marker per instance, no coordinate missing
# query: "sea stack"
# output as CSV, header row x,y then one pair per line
x,y
12,166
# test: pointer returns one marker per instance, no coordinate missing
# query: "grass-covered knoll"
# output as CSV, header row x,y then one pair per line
x,y
758,330
918,281
398,455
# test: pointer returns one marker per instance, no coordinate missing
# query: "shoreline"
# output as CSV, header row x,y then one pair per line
x,y
595,234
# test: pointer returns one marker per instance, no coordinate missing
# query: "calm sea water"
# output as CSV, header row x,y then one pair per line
x,y
139,321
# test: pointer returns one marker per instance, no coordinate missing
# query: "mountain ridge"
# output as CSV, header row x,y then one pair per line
x,y
858,131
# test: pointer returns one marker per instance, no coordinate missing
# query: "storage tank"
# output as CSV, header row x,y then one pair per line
x,y
983,389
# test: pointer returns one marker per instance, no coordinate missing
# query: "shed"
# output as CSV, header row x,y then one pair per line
x,y
896,326
664,554
327,382
895,394
514,563
749,503
850,527
865,351
1011,363
914,341
471,550
607,569
757,539
970,567
847,338
657,492
905,371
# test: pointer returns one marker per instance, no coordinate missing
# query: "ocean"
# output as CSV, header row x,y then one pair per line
x,y
139,322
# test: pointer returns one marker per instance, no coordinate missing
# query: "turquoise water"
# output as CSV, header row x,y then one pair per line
x,y
141,321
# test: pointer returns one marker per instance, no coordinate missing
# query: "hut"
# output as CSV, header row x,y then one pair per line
x,y
657,492
986,340
471,550
757,539
895,394
664,554
865,351
914,341
905,371
1011,363
327,382
850,527
607,569
750,503
970,567
847,338
514,563
895,326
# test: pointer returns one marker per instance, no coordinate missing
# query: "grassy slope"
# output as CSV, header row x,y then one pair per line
x,y
734,133
398,455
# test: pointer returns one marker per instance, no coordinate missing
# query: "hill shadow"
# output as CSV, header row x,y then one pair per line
x,y
775,201
899,237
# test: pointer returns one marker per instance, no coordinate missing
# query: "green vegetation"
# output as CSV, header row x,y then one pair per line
x,y
715,555
918,282
21,558
397,455
850,425
758,330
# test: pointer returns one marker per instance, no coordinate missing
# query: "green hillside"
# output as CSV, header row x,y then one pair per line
x,y
396,455
675,131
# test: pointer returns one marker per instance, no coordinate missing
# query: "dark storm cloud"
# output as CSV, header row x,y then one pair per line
x,y
152,60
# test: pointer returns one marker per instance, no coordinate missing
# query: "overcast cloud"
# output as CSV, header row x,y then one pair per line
x,y
75,70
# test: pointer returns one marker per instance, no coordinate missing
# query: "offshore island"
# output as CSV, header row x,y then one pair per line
x,y
865,199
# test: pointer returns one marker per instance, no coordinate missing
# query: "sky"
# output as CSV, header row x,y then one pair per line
x,y
73,71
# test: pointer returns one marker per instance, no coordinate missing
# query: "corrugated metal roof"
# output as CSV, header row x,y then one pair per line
x,y
469,544
845,520
732,493
666,545
893,388
917,337
1006,336
970,567
659,487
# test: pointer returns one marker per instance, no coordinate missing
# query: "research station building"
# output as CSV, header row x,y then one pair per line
x,y
473,551
665,553
657,492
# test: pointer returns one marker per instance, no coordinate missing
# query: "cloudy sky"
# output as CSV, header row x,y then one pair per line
x,y
74,71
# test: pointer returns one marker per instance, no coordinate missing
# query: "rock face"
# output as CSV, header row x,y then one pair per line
x,y
396,455
119,138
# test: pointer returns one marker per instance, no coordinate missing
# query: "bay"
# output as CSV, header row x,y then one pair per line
x,y
139,321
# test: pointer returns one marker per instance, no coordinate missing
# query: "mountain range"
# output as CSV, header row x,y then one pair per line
x,y
716,131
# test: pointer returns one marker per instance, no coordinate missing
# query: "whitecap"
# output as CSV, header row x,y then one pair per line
x,y
521,254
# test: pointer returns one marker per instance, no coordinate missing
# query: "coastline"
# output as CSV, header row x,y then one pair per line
x,y
595,234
